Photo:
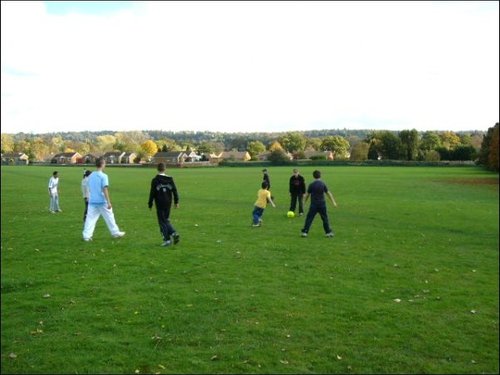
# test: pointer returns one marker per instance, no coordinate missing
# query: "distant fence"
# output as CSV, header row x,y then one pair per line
x,y
303,162
307,162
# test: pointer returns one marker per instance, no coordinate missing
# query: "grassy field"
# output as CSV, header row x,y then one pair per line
x,y
409,284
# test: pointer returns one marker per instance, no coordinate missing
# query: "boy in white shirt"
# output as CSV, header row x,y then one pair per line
x,y
85,192
53,193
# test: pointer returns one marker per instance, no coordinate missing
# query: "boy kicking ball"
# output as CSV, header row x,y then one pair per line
x,y
263,196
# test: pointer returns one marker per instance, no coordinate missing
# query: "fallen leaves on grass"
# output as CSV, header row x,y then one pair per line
x,y
38,331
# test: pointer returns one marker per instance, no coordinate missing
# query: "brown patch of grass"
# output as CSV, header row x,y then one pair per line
x,y
479,181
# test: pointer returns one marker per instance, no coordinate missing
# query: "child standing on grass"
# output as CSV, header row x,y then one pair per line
x,y
54,193
317,191
163,192
263,196
100,203
85,192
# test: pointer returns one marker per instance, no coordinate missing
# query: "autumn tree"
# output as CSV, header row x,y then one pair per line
x,y
359,152
83,148
314,143
7,143
488,155
39,149
430,141
276,146
22,145
130,141
168,144
105,143
449,140
336,144
149,148
209,147
409,143
57,144
277,153
255,148
493,159
293,142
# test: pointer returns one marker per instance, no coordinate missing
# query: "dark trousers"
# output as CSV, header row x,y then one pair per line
x,y
313,210
86,209
166,227
293,202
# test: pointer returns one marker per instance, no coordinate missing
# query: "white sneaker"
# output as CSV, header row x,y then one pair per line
x,y
87,239
119,234
166,243
330,234
303,234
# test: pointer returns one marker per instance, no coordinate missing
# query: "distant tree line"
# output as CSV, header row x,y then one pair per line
x,y
344,144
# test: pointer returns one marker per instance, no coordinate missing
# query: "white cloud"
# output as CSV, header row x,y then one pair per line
x,y
251,66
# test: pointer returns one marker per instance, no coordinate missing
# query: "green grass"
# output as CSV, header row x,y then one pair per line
x,y
234,299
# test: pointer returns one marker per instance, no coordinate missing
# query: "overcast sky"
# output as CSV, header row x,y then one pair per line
x,y
249,66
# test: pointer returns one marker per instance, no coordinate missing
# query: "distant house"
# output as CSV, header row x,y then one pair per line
x,y
192,156
113,157
15,158
170,157
263,156
236,155
90,158
128,158
214,158
66,158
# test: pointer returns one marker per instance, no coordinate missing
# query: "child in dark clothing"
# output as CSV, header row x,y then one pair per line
x,y
162,191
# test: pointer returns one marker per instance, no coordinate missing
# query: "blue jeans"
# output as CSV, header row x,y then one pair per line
x,y
313,210
257,214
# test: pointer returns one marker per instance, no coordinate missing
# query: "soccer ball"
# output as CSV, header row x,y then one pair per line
x,y
290,214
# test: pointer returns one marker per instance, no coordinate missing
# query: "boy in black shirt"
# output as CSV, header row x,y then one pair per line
x,y
297,190
162,190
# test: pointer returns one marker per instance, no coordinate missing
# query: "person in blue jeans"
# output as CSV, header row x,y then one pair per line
x,y
317,190
263,197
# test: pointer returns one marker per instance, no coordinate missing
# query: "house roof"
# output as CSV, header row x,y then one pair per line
x,y
66,154
14,155
113,153
92,155
240,154
168,154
